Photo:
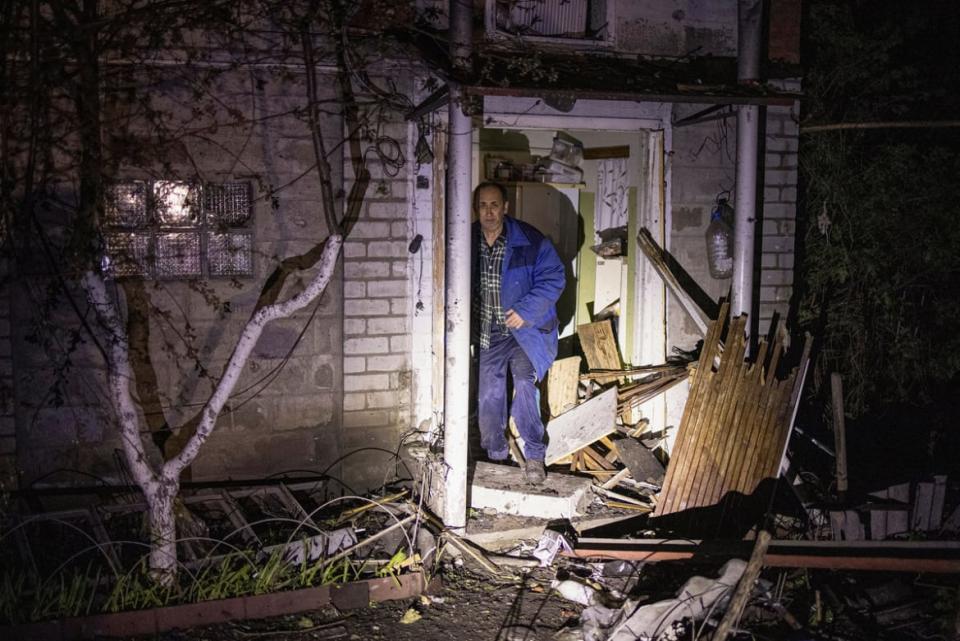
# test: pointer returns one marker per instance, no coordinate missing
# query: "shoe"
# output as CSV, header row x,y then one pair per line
x,y
534,473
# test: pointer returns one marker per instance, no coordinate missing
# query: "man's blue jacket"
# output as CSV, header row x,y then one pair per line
x,y
531,282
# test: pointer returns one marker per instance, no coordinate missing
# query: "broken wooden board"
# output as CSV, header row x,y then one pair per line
x,y
641,462
657,258
884,523
562,380
927,512
599,345
735,423
581,426
846,526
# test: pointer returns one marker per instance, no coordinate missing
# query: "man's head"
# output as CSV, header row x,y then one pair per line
x,y
490,203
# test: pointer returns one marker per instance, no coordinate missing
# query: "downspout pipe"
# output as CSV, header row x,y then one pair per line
x,y
458,299
749,40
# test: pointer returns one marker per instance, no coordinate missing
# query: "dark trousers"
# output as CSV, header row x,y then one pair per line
x,y
504,352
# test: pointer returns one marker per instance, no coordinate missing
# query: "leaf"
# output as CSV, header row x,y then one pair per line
x,y
410,616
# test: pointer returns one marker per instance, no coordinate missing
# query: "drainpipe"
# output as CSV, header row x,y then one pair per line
x,y
457,352
749,19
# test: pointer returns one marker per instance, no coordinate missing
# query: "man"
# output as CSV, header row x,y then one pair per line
x,y
518,278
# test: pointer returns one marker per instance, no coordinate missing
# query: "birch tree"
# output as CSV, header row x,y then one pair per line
x,y
57,57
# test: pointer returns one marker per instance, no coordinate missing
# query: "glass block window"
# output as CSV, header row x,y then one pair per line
x,y
176,204
126,205
178,255
129,254
169,229
227,205
230,254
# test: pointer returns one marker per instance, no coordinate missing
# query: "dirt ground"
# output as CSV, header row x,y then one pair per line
x,y
467,608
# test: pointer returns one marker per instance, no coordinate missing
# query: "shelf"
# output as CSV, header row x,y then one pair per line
x,y
537,182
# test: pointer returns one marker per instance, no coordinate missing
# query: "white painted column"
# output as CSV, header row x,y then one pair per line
x,y
744,226
749,32
457,356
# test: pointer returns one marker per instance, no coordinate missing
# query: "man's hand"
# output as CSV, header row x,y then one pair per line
x,y
513,320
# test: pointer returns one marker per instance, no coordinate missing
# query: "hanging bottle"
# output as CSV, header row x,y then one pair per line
x,y
720,241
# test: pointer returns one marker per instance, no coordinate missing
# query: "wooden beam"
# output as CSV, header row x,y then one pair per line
x,y
894,556
839,433
598,153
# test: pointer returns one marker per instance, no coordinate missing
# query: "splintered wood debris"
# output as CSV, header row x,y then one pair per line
x,y
736,421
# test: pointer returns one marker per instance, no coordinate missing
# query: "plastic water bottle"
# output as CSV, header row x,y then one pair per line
x,y
719,244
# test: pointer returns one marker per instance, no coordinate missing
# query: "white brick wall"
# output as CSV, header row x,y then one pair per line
x,y
378,306
779,211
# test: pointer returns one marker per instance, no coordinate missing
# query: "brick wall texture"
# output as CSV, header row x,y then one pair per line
x,y
377,286
702,161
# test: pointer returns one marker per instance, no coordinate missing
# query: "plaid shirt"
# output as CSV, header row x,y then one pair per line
x,y
492,321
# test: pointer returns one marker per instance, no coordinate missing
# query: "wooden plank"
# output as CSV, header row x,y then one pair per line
x,y
582,425
920,520
599,345
657,259
598,153
687,435
846,526
562,380
898,522
735,424
898,556
597,461
839,433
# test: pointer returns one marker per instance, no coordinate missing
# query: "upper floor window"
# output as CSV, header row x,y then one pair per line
x,y
168,229
583,21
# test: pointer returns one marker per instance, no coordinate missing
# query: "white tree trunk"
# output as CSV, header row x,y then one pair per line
x,y
161,487
163,531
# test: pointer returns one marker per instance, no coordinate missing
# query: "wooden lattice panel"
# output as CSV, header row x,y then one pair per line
x,y
735,423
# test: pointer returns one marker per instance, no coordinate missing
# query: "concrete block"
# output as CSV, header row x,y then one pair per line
x,y
782,177
778,244
782,143
399,306
384,399
366,269
776,277
399,230
365,382
390,325
355,346
366,418
386,363
354,401
400,269
779,210
785,261
354,365
388,210
386,288
354,326
387,249
503,488
399,344
366,229
366,307
354,289
354,250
